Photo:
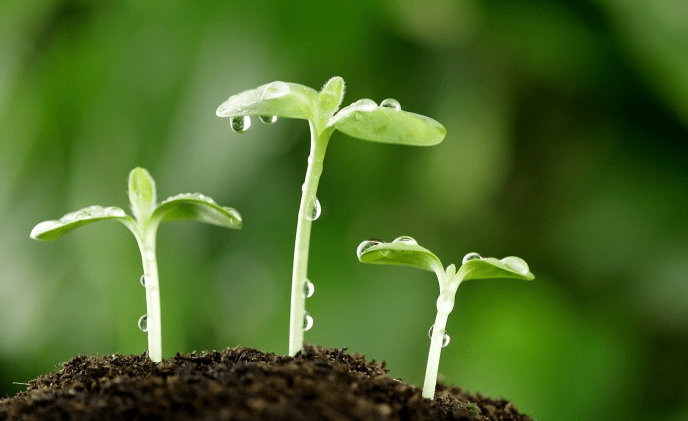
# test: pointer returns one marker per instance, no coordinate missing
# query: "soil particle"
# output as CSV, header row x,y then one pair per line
x,y
241,384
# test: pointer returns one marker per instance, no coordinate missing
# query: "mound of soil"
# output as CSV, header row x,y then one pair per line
x,y
241,384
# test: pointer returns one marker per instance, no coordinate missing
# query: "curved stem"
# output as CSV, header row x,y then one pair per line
x,y
303,233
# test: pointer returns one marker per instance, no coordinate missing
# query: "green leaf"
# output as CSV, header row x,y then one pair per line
x,y
489,268
51,230
364,119
331,95
197,207
281,99
404,251
142,194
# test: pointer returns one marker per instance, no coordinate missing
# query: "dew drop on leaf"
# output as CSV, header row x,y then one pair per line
x,y
307,321
268,119
240,123
405,239
364,246
308,289
143,323
391,103
470,256
314,210
445,338
517,264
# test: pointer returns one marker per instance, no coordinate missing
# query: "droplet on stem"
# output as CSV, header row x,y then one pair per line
x,y
405,239
268,119
470,256
240,123
391,103
314,210
365,245
143,280
445,338
143,323
307,321
308,289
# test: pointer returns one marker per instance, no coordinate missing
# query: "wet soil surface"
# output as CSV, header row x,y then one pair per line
x,y
241,384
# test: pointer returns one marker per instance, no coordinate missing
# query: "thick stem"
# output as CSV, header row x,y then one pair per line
x,y
150,272
438,331
303,234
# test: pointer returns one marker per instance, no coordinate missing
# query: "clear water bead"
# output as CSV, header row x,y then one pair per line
x,y
315,210
391,103
308,289
405,239
470,256
517,264
143,323
143,280
364,246
240,123
445,338
307,321
268,119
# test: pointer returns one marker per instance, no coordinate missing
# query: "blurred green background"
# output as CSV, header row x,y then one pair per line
x,y
566,146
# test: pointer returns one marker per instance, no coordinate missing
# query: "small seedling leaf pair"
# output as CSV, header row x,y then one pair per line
x,y
144,224
364,119
405,251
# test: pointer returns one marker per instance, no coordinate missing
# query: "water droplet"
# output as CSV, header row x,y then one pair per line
x,y
405,239
517,264
391,103
143,280
470,256
240,123
364,246
445,338
307,321
315,210
143,323
308,289
364,104
268,119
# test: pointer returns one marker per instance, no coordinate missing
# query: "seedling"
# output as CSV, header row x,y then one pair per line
x,y
405,251
364,119
144,225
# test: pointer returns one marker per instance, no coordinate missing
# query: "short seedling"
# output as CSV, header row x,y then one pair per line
x,y
144,225
405,251
364,119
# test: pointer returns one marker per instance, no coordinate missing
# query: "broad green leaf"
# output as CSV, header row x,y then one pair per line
x,y
489,268
404,251
364,119
197,207
50,230
281,99
142,194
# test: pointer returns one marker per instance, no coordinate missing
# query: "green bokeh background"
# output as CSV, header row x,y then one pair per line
x,y
567,124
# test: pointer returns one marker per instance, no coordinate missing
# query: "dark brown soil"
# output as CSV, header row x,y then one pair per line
x,y
241,384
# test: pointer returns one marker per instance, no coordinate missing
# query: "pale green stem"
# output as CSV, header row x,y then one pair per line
x,y
146,242
303,234
445,304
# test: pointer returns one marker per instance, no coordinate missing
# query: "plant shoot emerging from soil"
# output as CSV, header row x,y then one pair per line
x,y
405,251
364,119
144,225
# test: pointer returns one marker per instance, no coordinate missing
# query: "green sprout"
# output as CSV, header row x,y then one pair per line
x,y
405,251
364,119
144,225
